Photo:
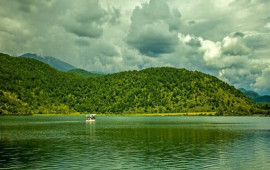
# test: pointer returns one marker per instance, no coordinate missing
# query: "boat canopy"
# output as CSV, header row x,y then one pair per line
x,y
91,115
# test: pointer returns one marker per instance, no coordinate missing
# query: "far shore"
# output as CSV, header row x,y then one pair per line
x,y
137,114
144,114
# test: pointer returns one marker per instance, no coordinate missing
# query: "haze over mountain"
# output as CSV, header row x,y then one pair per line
x,y
255,96
29,86
54,62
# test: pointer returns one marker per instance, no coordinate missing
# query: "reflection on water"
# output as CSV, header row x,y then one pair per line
x,y
135,142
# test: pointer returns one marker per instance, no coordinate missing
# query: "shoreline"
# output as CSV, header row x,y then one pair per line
x,y
137,114
145,114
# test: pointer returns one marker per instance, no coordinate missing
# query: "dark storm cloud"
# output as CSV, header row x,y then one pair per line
x,y
153,28
85,30
85,20
27,6
258,41
238,34
153,40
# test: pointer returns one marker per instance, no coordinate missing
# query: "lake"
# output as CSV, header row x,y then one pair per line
x,y
164,142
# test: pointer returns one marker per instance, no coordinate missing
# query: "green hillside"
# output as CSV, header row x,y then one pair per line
x,y
29,86
84,73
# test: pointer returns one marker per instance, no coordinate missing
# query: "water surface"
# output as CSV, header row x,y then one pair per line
x,y
135,142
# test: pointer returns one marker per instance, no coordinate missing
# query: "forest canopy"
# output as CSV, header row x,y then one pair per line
x,y
31,87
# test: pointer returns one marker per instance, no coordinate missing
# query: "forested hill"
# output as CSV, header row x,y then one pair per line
x,y
29,86
84,73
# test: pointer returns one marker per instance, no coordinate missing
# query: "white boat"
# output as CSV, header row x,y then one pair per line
x,y
90,117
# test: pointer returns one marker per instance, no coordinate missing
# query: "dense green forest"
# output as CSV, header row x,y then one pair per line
x,y
30,87
84,73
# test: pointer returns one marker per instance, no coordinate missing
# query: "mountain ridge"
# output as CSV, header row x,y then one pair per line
x,y
255,96
84,73
52,61
32,87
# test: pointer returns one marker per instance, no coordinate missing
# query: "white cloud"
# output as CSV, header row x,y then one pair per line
x,y
263,81
234,46
267,25
212,51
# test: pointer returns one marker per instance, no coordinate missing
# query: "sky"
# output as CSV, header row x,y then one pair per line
x,y
228,39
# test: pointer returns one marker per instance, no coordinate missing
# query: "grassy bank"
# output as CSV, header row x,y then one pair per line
x,y
164,114
72,114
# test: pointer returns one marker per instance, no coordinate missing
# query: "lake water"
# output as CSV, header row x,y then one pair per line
x,y
66,142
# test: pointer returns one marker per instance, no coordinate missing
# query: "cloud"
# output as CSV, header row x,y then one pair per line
x,y
267,25
27,6
84,30
114,15
153,28
154,39
234,46
238,34
103,48
240,77
257,40
230,51
212,51
85,19
263,81
236,59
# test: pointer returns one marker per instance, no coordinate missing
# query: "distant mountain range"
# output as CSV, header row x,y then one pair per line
x,y
255,96
62,66
53,62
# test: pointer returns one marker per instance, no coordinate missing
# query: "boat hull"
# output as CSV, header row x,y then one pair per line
x,y
91,120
